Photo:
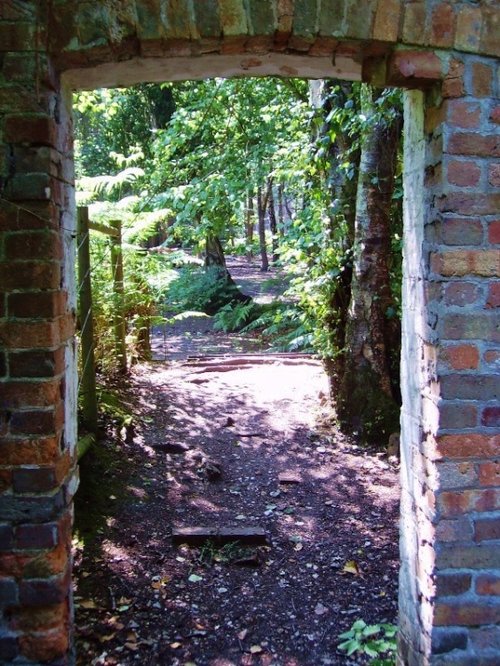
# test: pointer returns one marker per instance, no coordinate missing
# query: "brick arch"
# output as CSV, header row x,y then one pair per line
x,y
446,55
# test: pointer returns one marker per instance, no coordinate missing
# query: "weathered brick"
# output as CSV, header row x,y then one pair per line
x,y
442,25
490,417
386,25
458,415
8,647
489,473
44,450
449,639
468,446
494,232
36,537
452,584
39,619
485,638
471,143
33,215
468,615
33,481
459,529
16,395
34,129
464,173
36,364
29,245
29,187
44,592
5,480
414,68
414,23
453,85
8,592
456,475
461,326
35,422
488,584
30,275
18,335
485,263
491,358
494,175
470,387
6,538
37,304
3,364
493,298
467,557
461,357
488,529
45,647
495,114
482,80
469,203
468,28
461,293
464,114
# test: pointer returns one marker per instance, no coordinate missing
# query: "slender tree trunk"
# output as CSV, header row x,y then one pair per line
x,y
366,402
249,225
261,212
281,212
273,225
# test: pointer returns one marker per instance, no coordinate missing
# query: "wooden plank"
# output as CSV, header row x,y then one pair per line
x,y
87,380
197,536
103,229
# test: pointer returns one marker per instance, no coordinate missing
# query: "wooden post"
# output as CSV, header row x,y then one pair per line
x,y
119,314
87,380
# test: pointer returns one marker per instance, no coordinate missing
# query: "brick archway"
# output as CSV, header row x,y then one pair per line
x,y
446,55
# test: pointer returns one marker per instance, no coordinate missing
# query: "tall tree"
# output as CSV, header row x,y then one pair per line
x,y
367,401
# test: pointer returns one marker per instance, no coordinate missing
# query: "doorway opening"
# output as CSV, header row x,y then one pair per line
x,y
319,490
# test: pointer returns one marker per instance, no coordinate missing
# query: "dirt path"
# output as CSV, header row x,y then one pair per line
x,y
232,442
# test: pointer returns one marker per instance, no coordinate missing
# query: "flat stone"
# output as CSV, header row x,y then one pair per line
x,y
289,478
196,536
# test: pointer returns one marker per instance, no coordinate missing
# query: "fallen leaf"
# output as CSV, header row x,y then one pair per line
x,y
256,649
298,546
351,567
158,584
132,646
88,604
131,637
193,578
105,639
176,645
243,634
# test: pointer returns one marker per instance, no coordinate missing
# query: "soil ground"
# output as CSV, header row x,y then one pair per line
x,y
242,441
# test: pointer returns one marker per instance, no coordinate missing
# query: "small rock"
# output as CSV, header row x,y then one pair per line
x,y
212,470
171,447
229,422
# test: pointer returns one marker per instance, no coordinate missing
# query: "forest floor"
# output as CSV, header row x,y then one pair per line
x,y
231,440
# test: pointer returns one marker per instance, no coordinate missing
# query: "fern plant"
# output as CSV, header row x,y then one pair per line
x,y
234,316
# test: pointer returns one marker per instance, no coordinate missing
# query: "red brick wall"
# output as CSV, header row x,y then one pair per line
x,y
451,492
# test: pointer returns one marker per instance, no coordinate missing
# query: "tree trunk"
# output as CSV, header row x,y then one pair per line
x,y
366,403
281,212
229,291
261,212
249,226
273,225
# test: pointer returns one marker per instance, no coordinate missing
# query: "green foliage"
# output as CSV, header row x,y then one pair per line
x,y
377,641
235,316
